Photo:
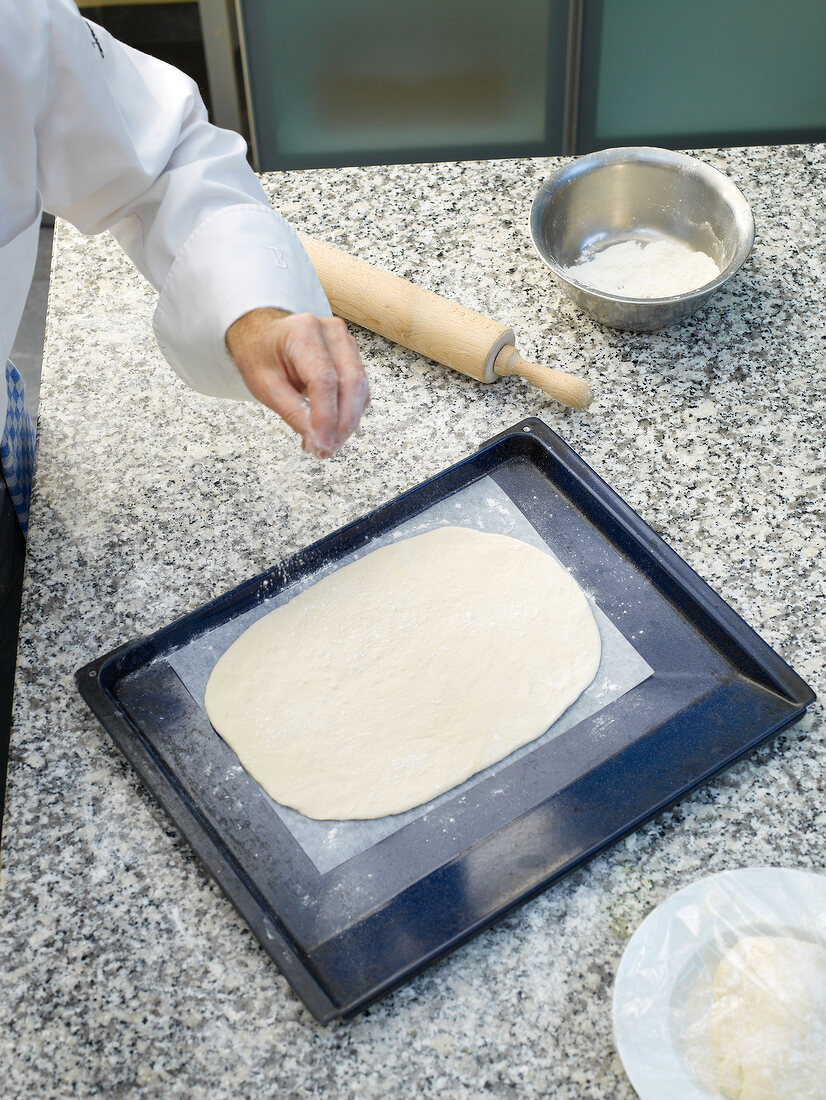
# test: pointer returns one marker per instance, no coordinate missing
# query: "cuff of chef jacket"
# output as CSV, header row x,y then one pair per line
x,y
240,258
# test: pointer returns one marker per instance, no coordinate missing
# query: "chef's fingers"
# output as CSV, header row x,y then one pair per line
x,y
288,361
353,388
251,342
302,352
292,406
324,357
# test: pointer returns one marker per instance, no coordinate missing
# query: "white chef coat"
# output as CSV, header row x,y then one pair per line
x,y
109,138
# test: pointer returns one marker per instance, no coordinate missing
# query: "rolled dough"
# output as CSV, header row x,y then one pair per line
x,y
402,674
768,1019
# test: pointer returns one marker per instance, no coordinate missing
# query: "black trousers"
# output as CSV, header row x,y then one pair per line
x,y
12,553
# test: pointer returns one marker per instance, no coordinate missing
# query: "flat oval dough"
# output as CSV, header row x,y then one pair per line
x,y
402,674
768,1019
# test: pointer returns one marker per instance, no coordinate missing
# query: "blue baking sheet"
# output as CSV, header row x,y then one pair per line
x,y
687,688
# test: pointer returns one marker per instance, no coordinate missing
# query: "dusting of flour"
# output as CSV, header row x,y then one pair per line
x,y
647,269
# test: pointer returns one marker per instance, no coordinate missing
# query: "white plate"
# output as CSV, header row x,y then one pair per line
x,y
663,993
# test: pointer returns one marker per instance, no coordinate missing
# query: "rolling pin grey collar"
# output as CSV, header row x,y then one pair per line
x,y
507,339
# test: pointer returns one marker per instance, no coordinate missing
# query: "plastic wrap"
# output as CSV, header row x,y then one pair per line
x,y
721,992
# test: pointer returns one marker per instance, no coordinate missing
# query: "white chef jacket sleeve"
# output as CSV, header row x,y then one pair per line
x,y
123,143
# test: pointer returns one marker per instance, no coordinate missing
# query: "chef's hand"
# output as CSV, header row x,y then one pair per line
x,y
305,368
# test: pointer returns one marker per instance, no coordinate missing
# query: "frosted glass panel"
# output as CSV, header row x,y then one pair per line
x,y
710,71
333,81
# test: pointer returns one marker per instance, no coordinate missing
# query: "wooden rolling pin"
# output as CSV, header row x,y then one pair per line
x,y
431,325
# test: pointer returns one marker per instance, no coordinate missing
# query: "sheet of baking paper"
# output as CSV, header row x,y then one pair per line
x,y
484,506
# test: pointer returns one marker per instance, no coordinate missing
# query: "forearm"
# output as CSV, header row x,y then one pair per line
x,y
123,143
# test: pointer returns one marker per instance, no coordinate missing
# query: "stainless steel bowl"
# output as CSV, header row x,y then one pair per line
x,y
645,194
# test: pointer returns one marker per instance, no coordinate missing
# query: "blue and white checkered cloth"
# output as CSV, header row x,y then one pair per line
x,y
17,447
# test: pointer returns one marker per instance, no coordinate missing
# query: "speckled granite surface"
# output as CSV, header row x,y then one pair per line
x,y
125,972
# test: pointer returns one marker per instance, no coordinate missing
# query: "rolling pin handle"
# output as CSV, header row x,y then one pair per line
x,y
565,388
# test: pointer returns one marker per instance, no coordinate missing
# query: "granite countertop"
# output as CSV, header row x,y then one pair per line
x,y
125,972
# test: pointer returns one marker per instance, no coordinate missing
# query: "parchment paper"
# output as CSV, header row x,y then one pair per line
x,y
483,506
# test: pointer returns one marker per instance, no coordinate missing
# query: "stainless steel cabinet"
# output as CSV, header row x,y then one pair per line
x,y
361,81
334,82
697,73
